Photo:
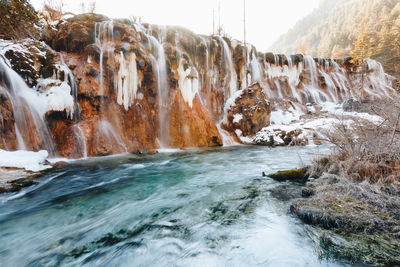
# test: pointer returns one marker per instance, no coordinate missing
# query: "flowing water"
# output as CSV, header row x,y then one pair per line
x,y
200,207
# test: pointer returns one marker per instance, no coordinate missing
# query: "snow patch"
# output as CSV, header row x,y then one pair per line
x,y
28,160
285,117
237,118
231,103
52,95
336,109
244,139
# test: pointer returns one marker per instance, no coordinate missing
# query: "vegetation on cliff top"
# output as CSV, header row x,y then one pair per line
x,y
18,19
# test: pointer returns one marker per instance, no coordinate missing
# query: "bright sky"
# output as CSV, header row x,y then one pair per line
x,y
266,20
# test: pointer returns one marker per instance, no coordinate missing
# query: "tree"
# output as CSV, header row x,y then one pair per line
x,y
92,7
364,48
389,44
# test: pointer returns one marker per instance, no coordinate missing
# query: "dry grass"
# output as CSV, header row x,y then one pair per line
x,y
357,193
364,150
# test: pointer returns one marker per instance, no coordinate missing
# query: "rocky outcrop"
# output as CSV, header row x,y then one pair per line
x,y
249,112
280,136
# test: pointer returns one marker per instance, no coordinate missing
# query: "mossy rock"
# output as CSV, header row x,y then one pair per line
x,y
295,175
376,250
18,184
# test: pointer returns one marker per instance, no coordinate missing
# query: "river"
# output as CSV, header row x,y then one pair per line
x,y
198,207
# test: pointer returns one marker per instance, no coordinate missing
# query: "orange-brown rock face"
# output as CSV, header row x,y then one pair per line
x,y
7,126
192,127
249,113
106,127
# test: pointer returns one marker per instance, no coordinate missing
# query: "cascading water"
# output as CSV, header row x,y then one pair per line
x,y
256,73
380,81
81,139
312,87
232,82
104,40
293,77
160,66
125,81
28,108
111,135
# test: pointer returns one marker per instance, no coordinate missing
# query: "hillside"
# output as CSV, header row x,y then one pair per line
x,y
332,28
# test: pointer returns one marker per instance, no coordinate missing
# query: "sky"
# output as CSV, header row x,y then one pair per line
x,y
266,20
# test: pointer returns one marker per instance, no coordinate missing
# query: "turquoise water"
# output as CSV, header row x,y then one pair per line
x,y
200,207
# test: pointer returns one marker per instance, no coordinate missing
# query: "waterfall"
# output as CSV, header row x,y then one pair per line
x,y
197,66
205,77
232,74
160,69
104,40
227,139
379,81
28,106
256,74
109,132
81,138
312,87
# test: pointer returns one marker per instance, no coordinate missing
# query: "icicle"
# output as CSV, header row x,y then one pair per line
x,y
126,81
188,83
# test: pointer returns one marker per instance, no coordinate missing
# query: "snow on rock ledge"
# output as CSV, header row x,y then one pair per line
x,y
280,135
306,129
28,160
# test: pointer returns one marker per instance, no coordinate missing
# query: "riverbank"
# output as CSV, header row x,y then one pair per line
x,y
352,196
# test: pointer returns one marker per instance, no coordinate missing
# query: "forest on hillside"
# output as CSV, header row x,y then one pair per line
x,y
332,31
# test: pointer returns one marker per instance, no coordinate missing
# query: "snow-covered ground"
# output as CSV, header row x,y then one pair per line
x,y
303,129
28,160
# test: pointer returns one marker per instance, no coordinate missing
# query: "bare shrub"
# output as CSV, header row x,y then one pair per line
x,y
54,9
366,150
